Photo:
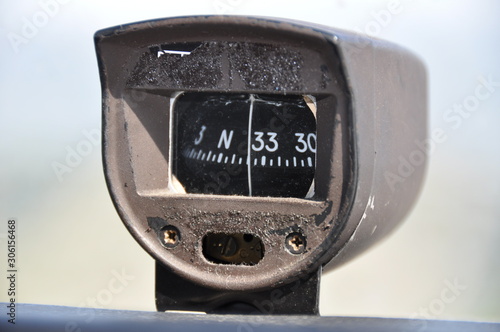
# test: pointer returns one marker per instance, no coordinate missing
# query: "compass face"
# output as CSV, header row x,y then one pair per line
x,y
244,144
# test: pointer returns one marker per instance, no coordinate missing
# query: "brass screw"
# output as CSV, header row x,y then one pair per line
x,y
295,243
169,236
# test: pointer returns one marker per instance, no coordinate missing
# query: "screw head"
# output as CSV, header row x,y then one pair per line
x,y
295,243
169,236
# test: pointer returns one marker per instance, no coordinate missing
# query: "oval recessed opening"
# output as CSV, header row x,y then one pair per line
x,y
234,248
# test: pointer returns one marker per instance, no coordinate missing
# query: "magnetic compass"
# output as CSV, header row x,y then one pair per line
x,y
248,155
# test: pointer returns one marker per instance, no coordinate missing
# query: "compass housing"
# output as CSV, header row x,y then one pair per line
x,y
362,99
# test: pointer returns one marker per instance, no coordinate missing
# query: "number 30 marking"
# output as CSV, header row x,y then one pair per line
x,y
304,145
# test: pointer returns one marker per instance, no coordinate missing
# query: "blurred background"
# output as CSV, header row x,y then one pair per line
x,y
444,262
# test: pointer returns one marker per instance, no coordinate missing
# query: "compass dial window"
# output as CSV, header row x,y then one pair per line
x,y
244,144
